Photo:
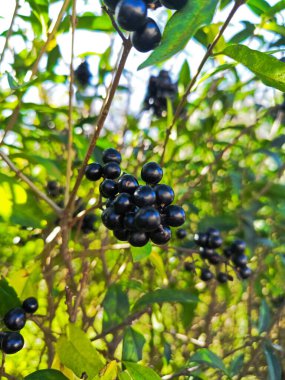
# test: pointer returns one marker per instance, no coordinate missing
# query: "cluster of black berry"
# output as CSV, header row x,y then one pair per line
x,y
132,16
208,243
160,89
14,320
83,74
54,190
136,213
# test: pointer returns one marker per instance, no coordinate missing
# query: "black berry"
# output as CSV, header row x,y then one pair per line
x,y
214,241
205,253
151,173
240,260
111,170
147,219
111,220
161,236
11,342
147,38
227,252
144,196
222,277
174,4
122,235
127,184
93,171
164,195
83,74
214,259
174,216
201,239
123,203
213,232
111,155
181,233
131,14
30,305
245,272
138,239
238,246
206,274
189,267
129,221
108,188
15,319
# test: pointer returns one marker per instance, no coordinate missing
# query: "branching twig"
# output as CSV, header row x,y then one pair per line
x,y
79,296
209,51
9,32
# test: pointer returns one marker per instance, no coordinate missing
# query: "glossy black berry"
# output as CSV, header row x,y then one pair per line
x,y
108,188
227,252
129,221
164,195
214,259
213,232
112,220
138,239
127,184
30,305
147,37
83,74
147,219
111,4
131,14
206,274
15,319
240,260
151,173
189,267
111,155
109,202
174,216
144,196
245,272
174,4
238,246
205,253
122,235
161,236
123,203
93,171
181,233
201,238
53,189
214,241
111,170
222,277
11,342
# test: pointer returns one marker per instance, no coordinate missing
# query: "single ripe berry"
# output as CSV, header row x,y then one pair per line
x,y
214,259
174,4
238,246
93,171
245,272
213,232
144,196
108,188
227,252
205,252
151,173
111,4
83,74
161,236
147,219
138,239
122,235
206,274
123,203
129,221
111,155
111,170
111,220
15,319
189,267
214,241
127,184
174,216
30,305
222,277
181,233
164,195
201,239
147,37
131,14
88,223
11,342
240,260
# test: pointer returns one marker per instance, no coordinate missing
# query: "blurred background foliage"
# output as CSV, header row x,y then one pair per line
x,y
225,161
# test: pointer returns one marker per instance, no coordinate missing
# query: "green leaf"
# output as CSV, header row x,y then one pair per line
x,y
166,295
269,69
8,297
236,365
77,353
46,374
140,253
273,363
205,356
180,29
116,306
132,345
110,372
124,376
138,372
264,317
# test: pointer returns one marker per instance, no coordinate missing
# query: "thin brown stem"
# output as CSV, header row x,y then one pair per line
x,y
9,32
80,294
115,25
25,179
193,81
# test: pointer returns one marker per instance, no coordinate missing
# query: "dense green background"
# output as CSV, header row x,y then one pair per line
x,y
225,161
